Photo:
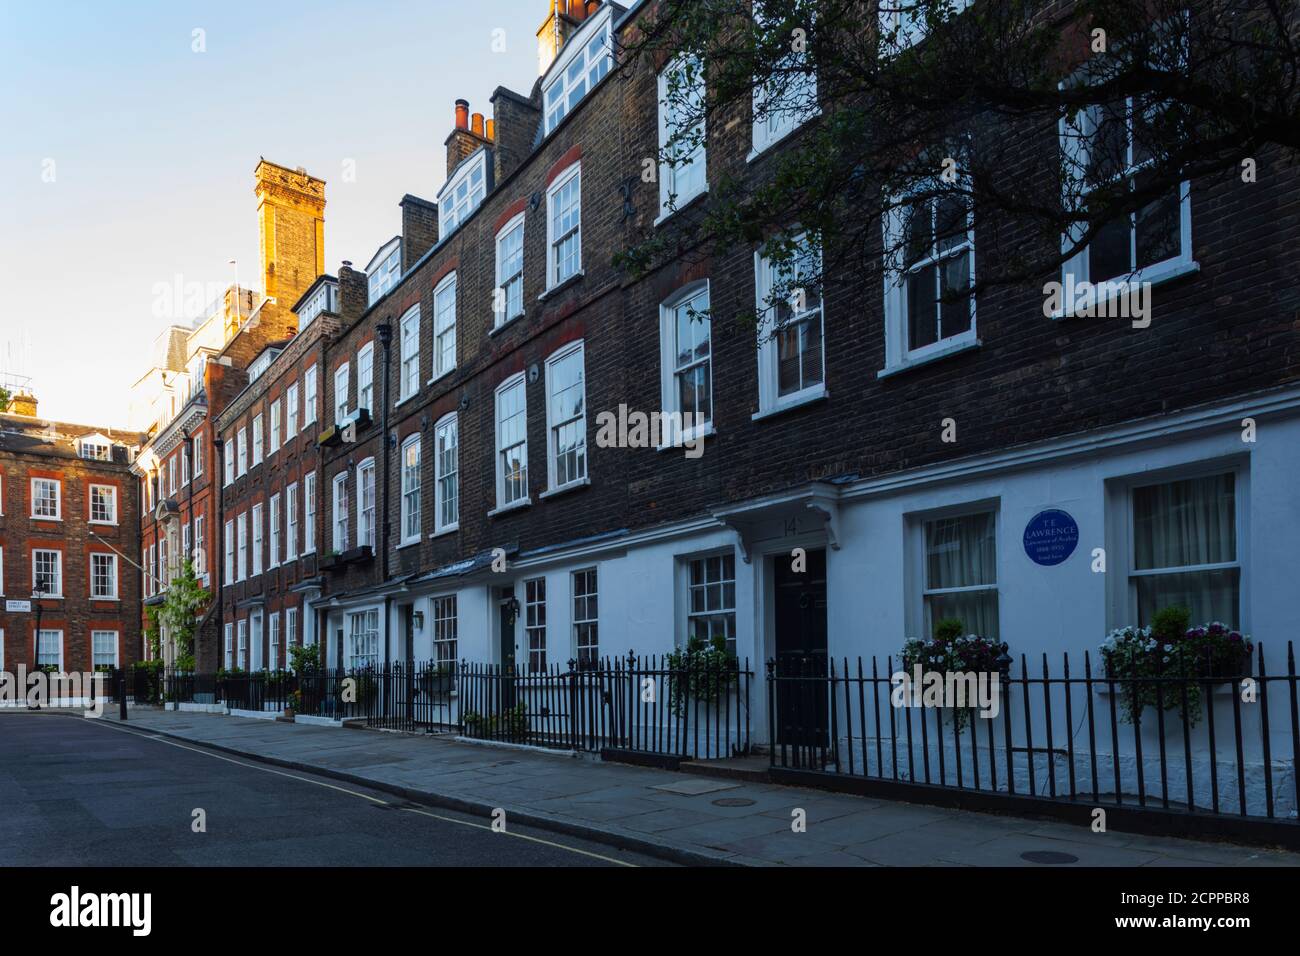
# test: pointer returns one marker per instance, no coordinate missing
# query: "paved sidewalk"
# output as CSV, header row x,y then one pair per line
x,y
678,816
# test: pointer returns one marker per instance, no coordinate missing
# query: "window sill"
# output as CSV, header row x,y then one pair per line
x,y
44,518
1155,275
808,398
571,486
685,438
106,600
402,401
506,324
560,287
407,544
441,376
450,529
513,506
102,524
759,151
665,214
938,354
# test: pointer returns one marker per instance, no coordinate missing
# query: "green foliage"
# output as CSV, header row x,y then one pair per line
x,y
1146,663
6,398
511,724
702,672
304,659
180,609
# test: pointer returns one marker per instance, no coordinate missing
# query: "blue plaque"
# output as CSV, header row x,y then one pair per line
x,y
1051,537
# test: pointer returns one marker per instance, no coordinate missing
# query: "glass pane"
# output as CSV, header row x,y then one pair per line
x,y
922,327
977,611
919,237
1159,229
961,551
1108,145
810,336
1185,523
955,302
1208,595
1109,254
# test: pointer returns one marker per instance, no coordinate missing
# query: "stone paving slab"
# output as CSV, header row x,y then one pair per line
x,y
673,814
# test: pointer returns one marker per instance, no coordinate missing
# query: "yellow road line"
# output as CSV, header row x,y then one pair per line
x,y
363,796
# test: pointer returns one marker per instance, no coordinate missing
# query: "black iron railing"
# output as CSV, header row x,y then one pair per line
x,y
1209,742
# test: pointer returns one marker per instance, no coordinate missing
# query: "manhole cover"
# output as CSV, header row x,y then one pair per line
x,y
1050,857
733,802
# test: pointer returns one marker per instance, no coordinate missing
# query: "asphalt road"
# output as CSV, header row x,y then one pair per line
x,y
77,792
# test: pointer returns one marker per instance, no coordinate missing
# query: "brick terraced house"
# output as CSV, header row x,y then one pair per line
x,y
69,584
199,372
462,379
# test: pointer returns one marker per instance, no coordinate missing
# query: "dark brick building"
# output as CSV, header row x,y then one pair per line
x,y
912,475
68,549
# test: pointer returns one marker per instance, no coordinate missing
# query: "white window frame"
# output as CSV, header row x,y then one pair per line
x,y
98,633
552,425
454,209
916,572
44,632
108,560
561,83
586,654
1076,136
273,641
255,621
228,462
769,401
58,570
257,537
910,31
310,395
308,513
778,123
196,456
241,661
112,504
291,400
199,557
689,616
229,565
342,382
275,427
448,424
259,432
504,282
898,353
443,613
385,275
290,632
273,536
241,554
514,381
366,527
366,376
171,474
291,522
670,395
553,239
339,496
444,327
409,343
58,499
670,197
411,508
241,444
363,634
535,623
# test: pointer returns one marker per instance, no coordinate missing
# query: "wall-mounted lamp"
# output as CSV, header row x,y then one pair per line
x,y
512,609
417,618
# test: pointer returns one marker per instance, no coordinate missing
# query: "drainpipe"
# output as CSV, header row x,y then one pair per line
x,y
385,333
218,567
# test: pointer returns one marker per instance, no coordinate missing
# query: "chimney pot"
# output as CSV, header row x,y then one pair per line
x,y
462,114
492,131
476,124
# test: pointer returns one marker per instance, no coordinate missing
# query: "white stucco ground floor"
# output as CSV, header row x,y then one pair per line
x,y
1046,547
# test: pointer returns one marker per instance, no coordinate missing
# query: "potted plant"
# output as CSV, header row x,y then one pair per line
x,y
952,650
704,670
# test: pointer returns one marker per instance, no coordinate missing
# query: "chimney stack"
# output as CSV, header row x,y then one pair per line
x,y
23,403
462,114
467,137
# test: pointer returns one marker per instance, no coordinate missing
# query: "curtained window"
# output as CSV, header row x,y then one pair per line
x,y
1185,549
961,576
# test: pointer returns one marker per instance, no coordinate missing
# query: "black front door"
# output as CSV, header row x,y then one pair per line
x,y
507,656
800,625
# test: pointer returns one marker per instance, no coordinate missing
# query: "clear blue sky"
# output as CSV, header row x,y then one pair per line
x,y
154,145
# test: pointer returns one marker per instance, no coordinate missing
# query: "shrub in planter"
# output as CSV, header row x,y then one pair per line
x,y
950,650
1170,649
705,671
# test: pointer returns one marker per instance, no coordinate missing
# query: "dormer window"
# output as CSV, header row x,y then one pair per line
x,y
261,364
580,66
385,270
463,193
324,299
95,449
